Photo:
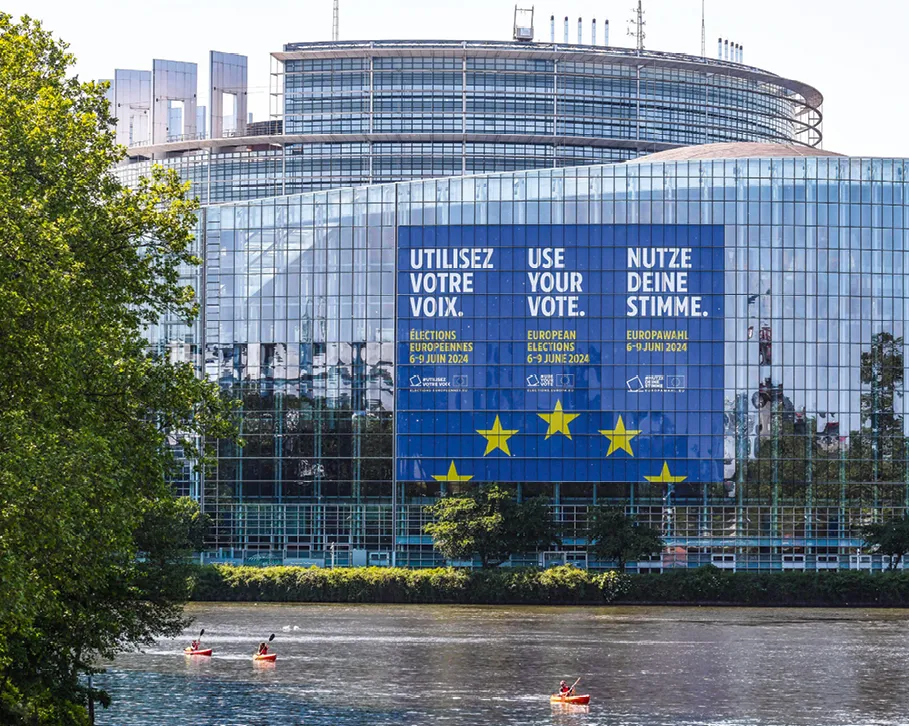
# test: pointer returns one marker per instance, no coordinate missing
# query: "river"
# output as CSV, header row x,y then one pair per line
x,y
370,665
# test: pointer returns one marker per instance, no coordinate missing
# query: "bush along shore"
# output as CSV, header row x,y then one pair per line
x,y
564,585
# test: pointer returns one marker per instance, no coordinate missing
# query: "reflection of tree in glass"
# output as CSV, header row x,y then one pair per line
x,y
859,463
881,439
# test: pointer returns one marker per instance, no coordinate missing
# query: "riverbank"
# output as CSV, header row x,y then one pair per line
x,y
554,586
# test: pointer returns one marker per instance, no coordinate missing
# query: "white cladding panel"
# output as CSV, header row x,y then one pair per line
x,y
173,82
132,106
228,75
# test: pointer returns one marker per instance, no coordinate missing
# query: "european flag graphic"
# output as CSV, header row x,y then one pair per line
x,y
584,353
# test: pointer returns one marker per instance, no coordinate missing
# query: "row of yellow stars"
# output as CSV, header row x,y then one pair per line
x,y
558,420
664,477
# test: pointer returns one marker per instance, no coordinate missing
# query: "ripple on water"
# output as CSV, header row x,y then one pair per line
x,y
377,665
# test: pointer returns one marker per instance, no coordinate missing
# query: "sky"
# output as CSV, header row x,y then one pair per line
x,y
854,53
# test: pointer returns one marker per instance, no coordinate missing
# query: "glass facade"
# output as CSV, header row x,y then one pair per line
x,y
541,94
785,434
349,114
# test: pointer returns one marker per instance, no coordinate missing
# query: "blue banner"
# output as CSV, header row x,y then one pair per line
x,y
547,353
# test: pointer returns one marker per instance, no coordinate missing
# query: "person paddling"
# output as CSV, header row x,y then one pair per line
x,y
262,653
196,643
565,690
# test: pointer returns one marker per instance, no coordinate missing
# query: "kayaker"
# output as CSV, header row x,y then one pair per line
x,y
263,649
195,645
565,689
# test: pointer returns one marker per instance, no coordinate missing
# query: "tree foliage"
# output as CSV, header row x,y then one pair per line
x,y
888,538
487,522
615,536
89,419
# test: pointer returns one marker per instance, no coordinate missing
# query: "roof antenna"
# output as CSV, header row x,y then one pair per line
x,y
638,21
703,33
334,21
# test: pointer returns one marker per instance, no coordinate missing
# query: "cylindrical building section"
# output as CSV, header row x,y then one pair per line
x,y
384,128
593,31
725,50
552,28
606,32
580,32
719,48
566,29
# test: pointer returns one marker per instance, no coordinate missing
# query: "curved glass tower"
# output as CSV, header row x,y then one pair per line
x,y
352,113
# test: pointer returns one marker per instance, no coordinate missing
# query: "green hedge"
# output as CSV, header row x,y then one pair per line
x,y
709,585
563,585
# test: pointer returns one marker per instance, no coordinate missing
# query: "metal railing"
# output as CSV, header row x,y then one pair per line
x,y
306,532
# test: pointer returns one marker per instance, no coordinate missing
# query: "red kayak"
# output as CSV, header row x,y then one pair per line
x,y
571,700
190,651
270,657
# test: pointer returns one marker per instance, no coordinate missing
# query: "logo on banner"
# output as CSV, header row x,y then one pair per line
x,y
553,381
656,383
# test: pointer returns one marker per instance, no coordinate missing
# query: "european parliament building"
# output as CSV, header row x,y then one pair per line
x,y
593,274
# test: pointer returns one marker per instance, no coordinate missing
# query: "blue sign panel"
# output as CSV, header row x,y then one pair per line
x,y
581,353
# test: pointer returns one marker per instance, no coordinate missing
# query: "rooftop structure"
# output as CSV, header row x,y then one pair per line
x,y
359,112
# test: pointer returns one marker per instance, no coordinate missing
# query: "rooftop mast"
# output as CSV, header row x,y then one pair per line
x,y
334,21
703,33
638,21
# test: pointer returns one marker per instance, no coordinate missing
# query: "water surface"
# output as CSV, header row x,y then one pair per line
x,y
370,665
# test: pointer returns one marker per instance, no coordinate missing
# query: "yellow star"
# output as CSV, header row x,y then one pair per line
x,y
497,437
619,437
664,477
558,421
452,475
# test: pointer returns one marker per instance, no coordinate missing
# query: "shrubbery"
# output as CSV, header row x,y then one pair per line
x,y
564,585
708,585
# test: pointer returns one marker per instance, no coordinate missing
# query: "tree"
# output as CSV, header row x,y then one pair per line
x,y
92,424
615,536
489,523
888,538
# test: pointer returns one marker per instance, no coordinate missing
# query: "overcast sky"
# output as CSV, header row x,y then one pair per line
x,y
854,52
